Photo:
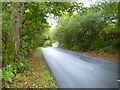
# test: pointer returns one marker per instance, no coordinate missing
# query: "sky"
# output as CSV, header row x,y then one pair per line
x,y
52,22
86,2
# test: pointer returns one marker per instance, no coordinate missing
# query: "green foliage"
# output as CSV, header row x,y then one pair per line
x,y
84,46
7,73
96,45
24,28
108,49
100,44
75,48
21,67
59,8
47,43
93,30
81,30
104,9
116,43
0,76
64,45
109,29
7,85
31,25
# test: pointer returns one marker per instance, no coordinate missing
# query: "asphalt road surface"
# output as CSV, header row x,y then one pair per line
x,y
76,70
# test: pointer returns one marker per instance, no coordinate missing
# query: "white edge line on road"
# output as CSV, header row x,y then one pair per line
x,y
89,66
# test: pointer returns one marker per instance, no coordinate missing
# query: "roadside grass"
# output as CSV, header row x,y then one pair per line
x,y
46,77
38,77
0,78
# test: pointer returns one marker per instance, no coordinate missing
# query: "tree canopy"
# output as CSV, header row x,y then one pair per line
x,y
95,29
24,25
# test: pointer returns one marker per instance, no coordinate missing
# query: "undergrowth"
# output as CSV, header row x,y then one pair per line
x,y
31,73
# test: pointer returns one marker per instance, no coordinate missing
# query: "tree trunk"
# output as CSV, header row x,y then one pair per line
x,y
15,25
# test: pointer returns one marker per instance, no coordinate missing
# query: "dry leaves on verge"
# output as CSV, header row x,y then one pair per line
x,y
103,55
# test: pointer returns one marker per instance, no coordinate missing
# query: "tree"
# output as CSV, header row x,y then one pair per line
x,y
94,29
24,24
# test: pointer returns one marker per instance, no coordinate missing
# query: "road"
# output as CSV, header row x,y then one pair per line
x,y
72,70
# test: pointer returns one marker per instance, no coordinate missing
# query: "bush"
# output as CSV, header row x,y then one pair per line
x,y
96,45
106,49
116,43
84,46
100,44
64,45
7,73
47,43
21,66
75,48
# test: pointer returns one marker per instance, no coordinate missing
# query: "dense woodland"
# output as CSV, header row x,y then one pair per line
x,y
25,27
95,29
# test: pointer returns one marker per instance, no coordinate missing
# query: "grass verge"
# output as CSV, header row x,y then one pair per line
x,y
46,77
39,75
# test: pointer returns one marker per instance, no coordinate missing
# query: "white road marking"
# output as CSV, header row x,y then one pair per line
x,y
89,66
118,80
